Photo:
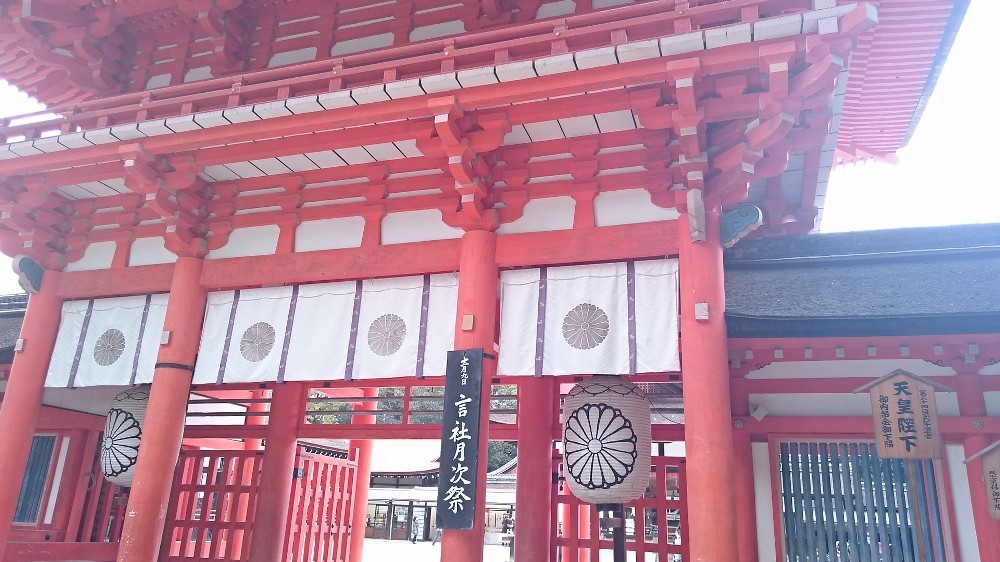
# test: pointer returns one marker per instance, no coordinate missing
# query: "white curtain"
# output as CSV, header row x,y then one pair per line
x,y
243,335
615,318
104,342
355,330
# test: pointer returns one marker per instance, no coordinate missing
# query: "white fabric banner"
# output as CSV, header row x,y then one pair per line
x,y
243,335
615,318
370,329
321,332
406,326
104,342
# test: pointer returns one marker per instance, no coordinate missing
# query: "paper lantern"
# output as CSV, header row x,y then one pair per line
x,y
122,434
606,440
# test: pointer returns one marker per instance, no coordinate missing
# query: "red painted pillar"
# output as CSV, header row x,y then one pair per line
x,y
288,403
708,426
361,450
972,403
478,282
22,401
746,506
163,429
535,424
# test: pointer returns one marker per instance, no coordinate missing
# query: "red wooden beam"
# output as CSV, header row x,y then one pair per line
x,y
634,241
861,425
112,282
97,552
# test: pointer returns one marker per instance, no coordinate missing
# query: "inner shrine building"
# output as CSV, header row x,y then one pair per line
x,y
249,226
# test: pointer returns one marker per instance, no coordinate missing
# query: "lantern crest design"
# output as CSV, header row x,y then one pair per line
x,y
257,341
120,449
122,435
600,446
607,440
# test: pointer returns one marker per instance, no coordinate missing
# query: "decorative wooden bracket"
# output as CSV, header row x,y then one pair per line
x,y
175,192
738,223
468,142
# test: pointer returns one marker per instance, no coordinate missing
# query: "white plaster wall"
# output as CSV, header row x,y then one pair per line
x,y
149,251
843,368
629,206
97,256
542,215
993,369
329,234
835,404
968,546
762,498
992,403
250,241
416,226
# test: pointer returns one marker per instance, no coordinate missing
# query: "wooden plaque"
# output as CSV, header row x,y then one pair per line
x,y
991,477
906,420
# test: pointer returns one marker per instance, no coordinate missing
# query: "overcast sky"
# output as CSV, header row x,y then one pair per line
x,y
946,175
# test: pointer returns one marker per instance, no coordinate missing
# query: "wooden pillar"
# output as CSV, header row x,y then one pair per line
x,y
972,403
164,426
277,472
361,451
478,282
22,401
535,424
746,506
708,423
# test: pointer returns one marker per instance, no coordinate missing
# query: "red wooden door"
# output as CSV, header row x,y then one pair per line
x,y
212,504
653,523
321,506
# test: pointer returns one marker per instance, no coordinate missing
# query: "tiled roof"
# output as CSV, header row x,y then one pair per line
x,y
905,281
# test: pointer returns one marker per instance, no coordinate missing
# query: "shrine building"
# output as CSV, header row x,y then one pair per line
x,y
252,228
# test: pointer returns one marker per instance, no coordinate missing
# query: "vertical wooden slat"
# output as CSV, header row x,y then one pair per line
x,y
929,477
902,512
895,541
232,535
784,472
832,456
920,512
845,501
861,480
808,510
826,532
252,507
870,463
333,541
818,530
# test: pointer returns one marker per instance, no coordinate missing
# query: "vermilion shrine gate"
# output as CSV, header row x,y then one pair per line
x,y
257,206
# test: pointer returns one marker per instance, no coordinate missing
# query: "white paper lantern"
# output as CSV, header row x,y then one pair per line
x,y
122,434
606,440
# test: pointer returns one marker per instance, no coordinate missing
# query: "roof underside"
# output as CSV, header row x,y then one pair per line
x,y
274,60
160,42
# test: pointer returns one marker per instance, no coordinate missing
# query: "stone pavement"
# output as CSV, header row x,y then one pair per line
x,y
377,550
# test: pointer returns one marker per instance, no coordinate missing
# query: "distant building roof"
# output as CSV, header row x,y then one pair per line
x,y
904,281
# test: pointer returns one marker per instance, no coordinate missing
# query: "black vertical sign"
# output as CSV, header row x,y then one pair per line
x,y
456,501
